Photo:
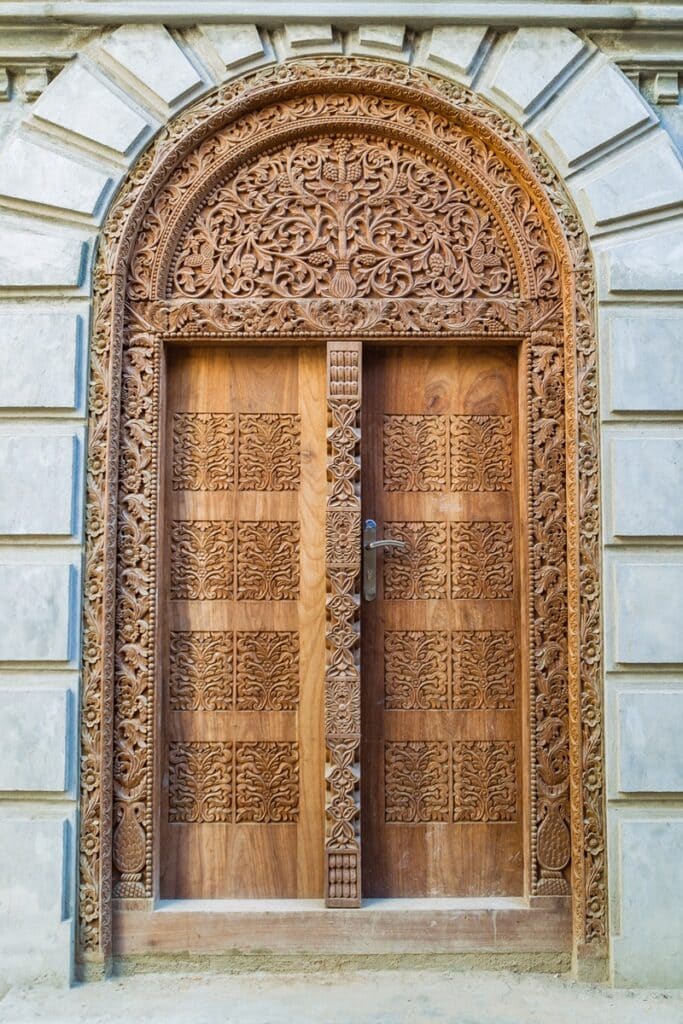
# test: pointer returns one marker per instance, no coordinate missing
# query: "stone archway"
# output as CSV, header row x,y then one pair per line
x,y
161,274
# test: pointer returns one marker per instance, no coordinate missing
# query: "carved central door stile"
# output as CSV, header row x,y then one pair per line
x,y
342,670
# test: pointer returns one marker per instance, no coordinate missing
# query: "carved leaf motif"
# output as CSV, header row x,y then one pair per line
x,y
484,669
202,560
342,537
416,781
484,781
200,677
342,706
416,669
269,452
420,571
203,451
481,560
267,779
414,453
200,782
267,671
268,561
481,453
341,217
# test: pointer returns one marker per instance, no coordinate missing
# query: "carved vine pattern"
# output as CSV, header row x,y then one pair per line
x,y
493,154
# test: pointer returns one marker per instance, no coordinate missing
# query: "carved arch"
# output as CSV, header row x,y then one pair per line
x,y
546,296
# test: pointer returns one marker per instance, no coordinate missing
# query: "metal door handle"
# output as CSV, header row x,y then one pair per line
x,y
370,548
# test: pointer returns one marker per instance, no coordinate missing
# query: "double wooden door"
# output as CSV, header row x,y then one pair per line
x,y
242,637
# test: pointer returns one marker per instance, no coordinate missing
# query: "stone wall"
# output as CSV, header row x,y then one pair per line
x,y
80,104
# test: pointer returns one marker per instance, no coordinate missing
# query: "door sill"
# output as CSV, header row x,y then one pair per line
x,y
300,927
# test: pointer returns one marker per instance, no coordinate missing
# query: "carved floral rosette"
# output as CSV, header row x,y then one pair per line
x,y
495,250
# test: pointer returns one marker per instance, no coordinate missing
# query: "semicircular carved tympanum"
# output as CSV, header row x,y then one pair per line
x,y
343,199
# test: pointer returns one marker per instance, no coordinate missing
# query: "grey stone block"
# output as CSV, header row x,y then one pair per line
x,y
534,61
32,259
650,758
645,350
648,617
34,724
38,480
150,55
646,262
34,174
646,497
36,612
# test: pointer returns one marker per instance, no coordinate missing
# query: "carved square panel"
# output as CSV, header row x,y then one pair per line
x,y
269,452
268,561
200,671
484,669
481,453
421,570
481,560
416,776
343,539
342,705
414,453
484,781
203,451
202,560
200,782
267,671
267,782
415,669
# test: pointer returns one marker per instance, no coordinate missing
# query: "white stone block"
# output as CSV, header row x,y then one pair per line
x,y
34,174
646,262
648,598
35,893
232,46
648,944
650,749
34,724
150,55
535,61
38,480
31,259
39,355
596,111
455,48
646,497
379,40
81,103
640,180
646,361
302,37
36,612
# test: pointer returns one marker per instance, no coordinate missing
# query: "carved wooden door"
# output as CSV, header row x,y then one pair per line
x,y
243,623
441,763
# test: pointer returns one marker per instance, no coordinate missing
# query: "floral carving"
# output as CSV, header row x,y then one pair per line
x,y
415,669
483,669
416,781
269,452
203,451
420,570
341,217
481,453
200,782
481,560
200,672
267,676
342,539
484,781
268,561
414,450
267,782
202,561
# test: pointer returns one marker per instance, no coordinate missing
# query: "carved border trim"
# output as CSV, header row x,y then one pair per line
x,y
583,511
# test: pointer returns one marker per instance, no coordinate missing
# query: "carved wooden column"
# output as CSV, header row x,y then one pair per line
x,y
342,672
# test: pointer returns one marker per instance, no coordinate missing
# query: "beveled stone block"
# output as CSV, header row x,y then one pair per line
x,y
152,57
646,262
34,724
650,756
39,354
36,612
32,259
648,613
646,498
456,48
645,360
34,174
38,477
534,61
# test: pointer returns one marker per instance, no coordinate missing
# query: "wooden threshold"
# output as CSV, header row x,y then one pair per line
x,y
503,925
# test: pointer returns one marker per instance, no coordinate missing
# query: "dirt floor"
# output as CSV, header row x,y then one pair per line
x,y
352,997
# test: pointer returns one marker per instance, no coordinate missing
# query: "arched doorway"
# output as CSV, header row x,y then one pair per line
x,y
343,292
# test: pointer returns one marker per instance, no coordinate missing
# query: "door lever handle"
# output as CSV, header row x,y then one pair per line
x,y
370,547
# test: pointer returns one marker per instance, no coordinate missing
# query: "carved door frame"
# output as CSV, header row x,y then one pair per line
x,y
549,310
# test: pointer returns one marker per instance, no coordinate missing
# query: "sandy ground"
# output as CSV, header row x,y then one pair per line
x,y
357,997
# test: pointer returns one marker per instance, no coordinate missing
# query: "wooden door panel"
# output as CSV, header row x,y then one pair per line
x,y
243,620
442,778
